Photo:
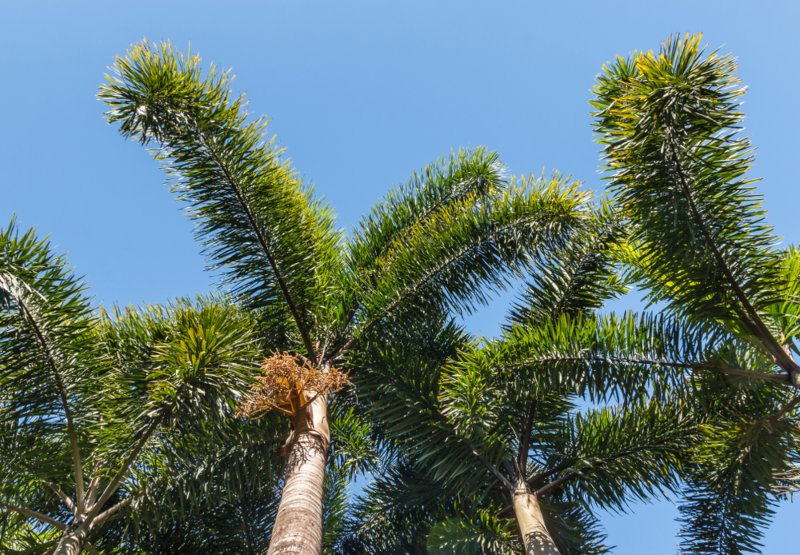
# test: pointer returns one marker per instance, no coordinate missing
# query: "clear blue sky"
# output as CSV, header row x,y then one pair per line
x,y
360,93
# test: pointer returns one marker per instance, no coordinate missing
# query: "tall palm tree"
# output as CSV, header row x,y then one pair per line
x,y
442,242
484,432
670,126
90,402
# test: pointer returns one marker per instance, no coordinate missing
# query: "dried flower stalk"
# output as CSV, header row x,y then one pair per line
x,y
288,383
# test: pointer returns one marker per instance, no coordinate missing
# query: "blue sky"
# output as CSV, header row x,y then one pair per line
x,y
360,94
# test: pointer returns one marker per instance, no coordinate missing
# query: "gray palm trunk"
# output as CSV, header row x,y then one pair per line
x,y
528,512
72,542
298,526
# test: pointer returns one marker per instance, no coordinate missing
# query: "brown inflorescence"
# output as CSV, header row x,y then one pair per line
x,y
288,383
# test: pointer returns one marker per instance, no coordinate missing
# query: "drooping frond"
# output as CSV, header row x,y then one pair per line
x,y
395,512
457,256
398,385
48,354
20,537
578,278
729,496
335,510
574,529
258,223
209,493
669,124
609,457
355,447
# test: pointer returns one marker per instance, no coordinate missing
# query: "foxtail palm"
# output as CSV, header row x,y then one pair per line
x,y
442,242
483,432
670,126
88,401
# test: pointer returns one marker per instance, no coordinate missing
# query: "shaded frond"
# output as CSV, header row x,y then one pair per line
x,y
613,456
577,278
480,533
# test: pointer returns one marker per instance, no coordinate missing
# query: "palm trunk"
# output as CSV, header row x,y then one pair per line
x,y
71,542
529,516
298,526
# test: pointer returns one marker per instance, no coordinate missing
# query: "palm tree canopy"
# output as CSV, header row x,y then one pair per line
x,y
470,420
91,401
444,240
442,243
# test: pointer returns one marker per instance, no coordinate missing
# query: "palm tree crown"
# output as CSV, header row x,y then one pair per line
x,y
443,242
91,401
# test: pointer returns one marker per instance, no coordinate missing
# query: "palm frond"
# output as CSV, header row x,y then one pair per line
x,y
181,365
47,356
669,124
613,456
784,314
729,499
603,357
274,241
395,512
575,529
398,385
454,259
578,278
465,175
480,533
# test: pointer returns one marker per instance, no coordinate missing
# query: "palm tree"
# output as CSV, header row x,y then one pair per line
x,y
670,126
443,242
482,432
90,402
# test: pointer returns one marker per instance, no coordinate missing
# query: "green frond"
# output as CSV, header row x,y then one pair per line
x,y
396,511
465,175
396,378
602,357
335,509
20,537
784,314
575,529
353,448
46,330
483,533
398,383
458,256
217,493
488,408
670,126
579,277
729,502
612,456
49,367
181,366
729,496
275,243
